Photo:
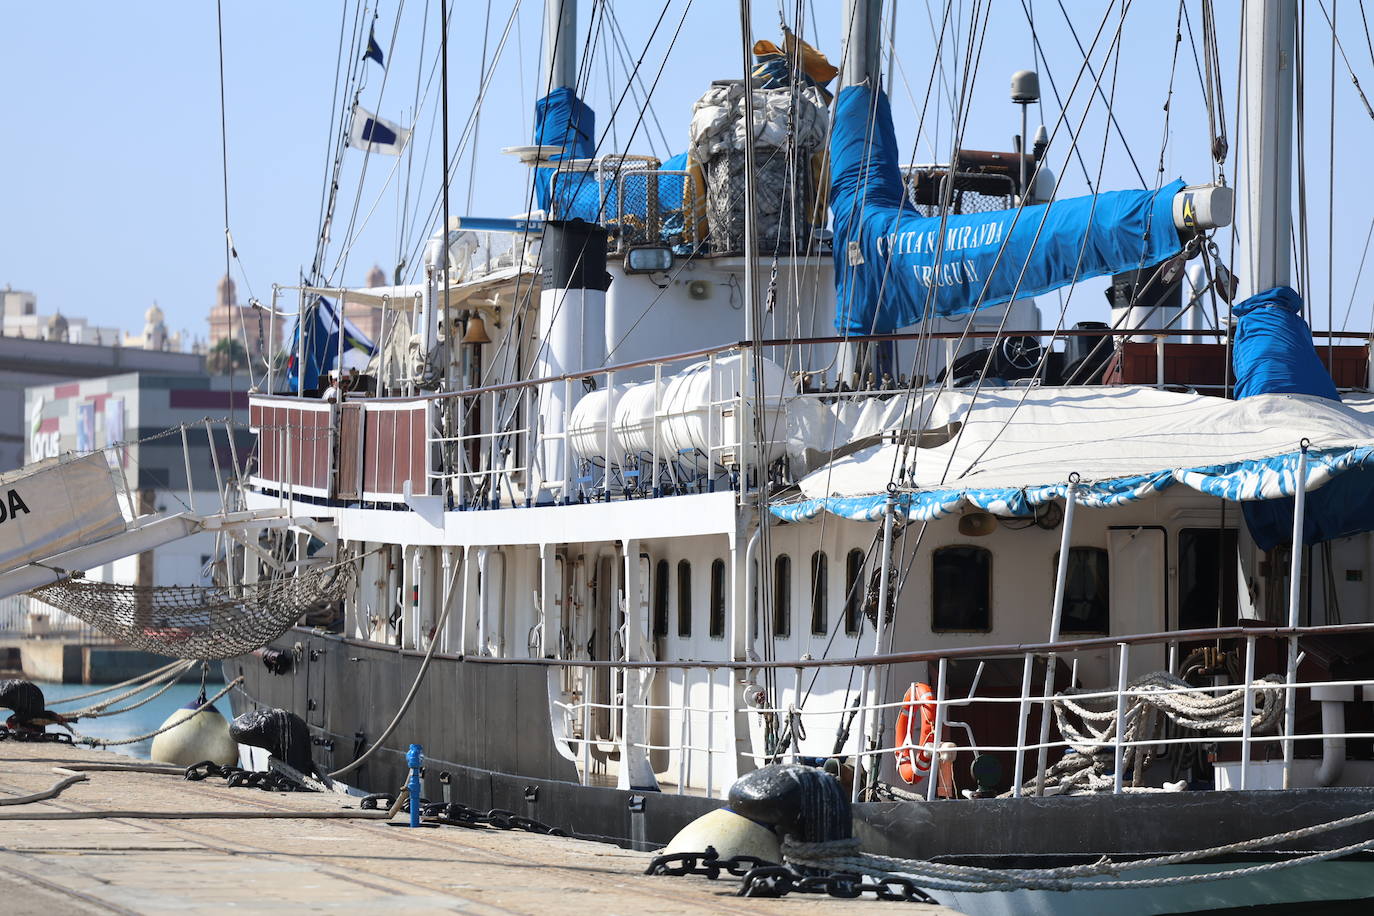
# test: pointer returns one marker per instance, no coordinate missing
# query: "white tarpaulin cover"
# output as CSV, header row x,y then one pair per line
x,y
1017,449
56,508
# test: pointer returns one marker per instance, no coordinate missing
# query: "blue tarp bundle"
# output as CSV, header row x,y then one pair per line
x,y
562,119
903,258
1273,354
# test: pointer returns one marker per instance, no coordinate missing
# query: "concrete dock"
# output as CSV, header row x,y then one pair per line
x,y
107,863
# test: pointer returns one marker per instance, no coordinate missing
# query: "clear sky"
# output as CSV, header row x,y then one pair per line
x,y
112,193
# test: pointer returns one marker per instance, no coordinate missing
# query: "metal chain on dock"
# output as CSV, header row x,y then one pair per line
x,y
237,777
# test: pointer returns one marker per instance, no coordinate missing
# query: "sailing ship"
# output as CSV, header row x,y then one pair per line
x,y
844,501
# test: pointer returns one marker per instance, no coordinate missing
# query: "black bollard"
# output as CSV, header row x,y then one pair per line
x,y
805,803
282,734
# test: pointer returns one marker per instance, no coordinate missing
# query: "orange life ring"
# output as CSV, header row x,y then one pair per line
x,y
914,757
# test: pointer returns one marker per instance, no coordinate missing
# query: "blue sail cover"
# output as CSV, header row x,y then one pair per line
x,y
1273,354
903,259
562,119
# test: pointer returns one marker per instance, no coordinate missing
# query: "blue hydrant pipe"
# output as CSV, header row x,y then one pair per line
x,y
415,758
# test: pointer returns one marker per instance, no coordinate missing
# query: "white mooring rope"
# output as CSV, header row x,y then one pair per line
x,y
844,856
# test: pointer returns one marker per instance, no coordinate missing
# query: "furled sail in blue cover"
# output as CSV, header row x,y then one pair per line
x,y
1273,354
562,119
887,282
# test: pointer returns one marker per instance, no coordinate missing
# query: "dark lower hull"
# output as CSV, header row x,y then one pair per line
x,y
488,744
485,731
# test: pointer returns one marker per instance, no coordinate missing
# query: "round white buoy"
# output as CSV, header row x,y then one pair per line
x,y
730,834
201,736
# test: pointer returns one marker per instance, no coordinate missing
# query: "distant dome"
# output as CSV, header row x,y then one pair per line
x,y
376,277
153,315
227,295
57,327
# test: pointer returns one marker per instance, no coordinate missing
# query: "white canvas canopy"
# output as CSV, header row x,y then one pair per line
x,y
1016,449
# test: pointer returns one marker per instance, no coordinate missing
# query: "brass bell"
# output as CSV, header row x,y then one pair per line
x,y
476,332
977,524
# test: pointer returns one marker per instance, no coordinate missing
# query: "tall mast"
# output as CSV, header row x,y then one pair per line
x,y
572,298
861,58
560,46
860,51
1268,40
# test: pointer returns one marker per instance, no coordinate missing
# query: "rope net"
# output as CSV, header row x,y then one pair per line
x,y
200,621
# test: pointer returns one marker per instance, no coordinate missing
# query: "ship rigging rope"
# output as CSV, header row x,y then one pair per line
x,y
845,856
899,466
200,621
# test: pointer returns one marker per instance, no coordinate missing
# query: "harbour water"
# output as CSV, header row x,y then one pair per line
x,y
140,721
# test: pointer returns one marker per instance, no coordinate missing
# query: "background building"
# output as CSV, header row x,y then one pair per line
x,y
249,327
368,318
21,318
133,408
25,362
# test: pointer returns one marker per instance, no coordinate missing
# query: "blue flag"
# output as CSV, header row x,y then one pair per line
x,y
374,50
321,347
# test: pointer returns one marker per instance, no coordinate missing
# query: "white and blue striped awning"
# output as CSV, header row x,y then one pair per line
x,y
1125,444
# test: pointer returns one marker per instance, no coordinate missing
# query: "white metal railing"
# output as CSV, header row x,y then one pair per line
x,y
493,446
704,752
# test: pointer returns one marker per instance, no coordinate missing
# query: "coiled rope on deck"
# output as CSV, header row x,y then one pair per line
x,y
1089,726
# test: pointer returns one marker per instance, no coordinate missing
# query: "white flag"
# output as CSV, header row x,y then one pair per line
x,y
369,132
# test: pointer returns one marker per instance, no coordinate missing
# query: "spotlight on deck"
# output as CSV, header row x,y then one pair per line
x,y
648,260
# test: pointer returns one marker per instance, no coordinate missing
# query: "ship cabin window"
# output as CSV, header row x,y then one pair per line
x,y
782,595
820,593
853,591
684,598
1086,591
718,599
961,588
1207,563
661,587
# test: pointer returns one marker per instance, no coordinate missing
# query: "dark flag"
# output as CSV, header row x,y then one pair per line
x,y
374,50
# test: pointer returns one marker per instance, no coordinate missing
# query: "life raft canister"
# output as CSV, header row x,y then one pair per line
x,y
914,757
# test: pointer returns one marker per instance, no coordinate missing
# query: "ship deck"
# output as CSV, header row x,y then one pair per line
x,y
105,863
